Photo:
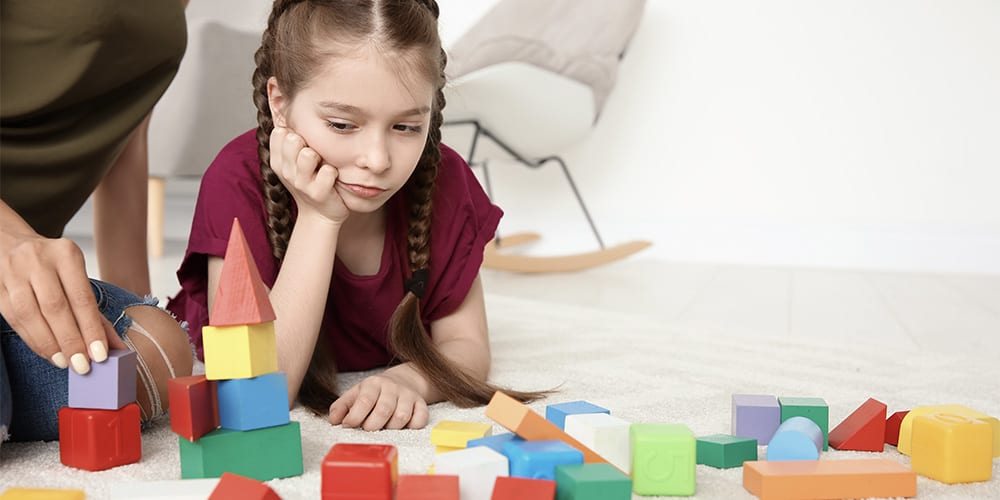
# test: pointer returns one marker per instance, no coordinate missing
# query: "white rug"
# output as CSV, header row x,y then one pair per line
x,y
641,370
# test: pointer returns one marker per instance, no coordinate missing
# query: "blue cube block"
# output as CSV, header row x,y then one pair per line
x,y
495,442
557,413
253,403
538,459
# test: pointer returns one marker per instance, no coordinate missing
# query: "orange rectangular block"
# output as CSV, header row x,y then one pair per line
x,y
821,479
519,419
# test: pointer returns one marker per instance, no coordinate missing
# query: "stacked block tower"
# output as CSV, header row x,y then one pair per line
x,y
242,391
100,427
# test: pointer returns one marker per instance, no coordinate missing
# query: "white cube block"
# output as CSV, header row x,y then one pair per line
x,y
184,489
477,470
607,435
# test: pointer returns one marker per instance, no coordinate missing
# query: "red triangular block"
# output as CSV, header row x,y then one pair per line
x,y
232,486
863,430
242,297
892,426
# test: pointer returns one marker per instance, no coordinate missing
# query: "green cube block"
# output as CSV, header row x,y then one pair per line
x,y
262,454
814,409
663,459
724,451
592,482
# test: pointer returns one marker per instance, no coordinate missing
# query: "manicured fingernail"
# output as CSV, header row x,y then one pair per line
x,y
98,352
59,360
80,363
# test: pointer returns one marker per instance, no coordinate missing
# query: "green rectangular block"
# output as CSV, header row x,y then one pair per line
x,y
592,482
663,459
262,454
724,451
814,409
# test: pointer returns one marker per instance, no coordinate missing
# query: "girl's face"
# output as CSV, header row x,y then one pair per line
x,y
365,116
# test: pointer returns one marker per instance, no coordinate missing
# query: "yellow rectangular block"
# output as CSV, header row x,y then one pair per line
x,y
951,448
906,427
446,449
41,494
452,434
822,479
241,351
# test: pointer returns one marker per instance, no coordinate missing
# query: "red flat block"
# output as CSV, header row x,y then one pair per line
x,y
862,430
522,488
823,479
892,426
234,486
352,471
99,439
242,297
194,406
420,487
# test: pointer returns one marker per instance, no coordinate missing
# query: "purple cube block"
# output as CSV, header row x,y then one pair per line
x,y
755,416
109,385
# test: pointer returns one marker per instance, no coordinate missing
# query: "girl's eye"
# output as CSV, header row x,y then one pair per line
x,y
340,126
411,129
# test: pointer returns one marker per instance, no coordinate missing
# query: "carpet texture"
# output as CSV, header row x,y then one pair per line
x,y
641,370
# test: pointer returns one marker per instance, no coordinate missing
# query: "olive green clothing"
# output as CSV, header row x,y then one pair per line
x,y
76,77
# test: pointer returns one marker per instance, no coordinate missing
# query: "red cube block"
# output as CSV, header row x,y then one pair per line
x,y
352,471
232,486
99,439
419,487
194,406
523,488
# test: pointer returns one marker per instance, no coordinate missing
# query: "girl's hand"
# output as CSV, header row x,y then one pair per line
x,y
380,402
307,178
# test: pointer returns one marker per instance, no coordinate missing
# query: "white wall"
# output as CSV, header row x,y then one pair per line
x,y
848,133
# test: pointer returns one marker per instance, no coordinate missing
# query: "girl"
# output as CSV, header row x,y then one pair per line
x,y
368,232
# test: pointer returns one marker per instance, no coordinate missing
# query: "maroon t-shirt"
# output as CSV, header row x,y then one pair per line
x,y
358,307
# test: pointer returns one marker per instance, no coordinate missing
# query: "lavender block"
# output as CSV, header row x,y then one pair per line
x,y
755,416
109,385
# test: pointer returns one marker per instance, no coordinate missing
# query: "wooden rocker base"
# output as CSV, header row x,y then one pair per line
x,y
494,259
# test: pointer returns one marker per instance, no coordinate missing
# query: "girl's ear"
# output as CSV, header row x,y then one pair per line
x,y
277,102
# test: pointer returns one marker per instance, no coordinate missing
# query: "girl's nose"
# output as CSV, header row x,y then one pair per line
x,y
375,154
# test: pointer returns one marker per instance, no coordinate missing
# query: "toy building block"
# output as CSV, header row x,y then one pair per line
x,y
194,406
798,438
495,441
862,430
108,385
538,459
241,297
755,416
232,486
607,435
99,439
723,451
177,489
592,482
814,409
452,434
892,425
523,488
353,470
477,469
262,454
41,494
815,479
418,487
253,403
952,448
557,413
663,459
905,427
242,351
519,419
446,449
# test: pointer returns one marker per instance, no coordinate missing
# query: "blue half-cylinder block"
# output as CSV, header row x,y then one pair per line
x,y
495,442
557,413
797,438
538,459
253,403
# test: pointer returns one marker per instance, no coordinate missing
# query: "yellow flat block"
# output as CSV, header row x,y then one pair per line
x,y
952,448
446,449
822,479
906,426
240,351
41,494
452,434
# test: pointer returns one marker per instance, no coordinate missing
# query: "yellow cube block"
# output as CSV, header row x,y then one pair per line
x,y
41,494
952,448
907,425
452,434
240,351
446,449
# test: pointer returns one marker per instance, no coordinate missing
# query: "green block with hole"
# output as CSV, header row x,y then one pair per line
x,y
724,451
262,454
814,409
592,482
663,459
